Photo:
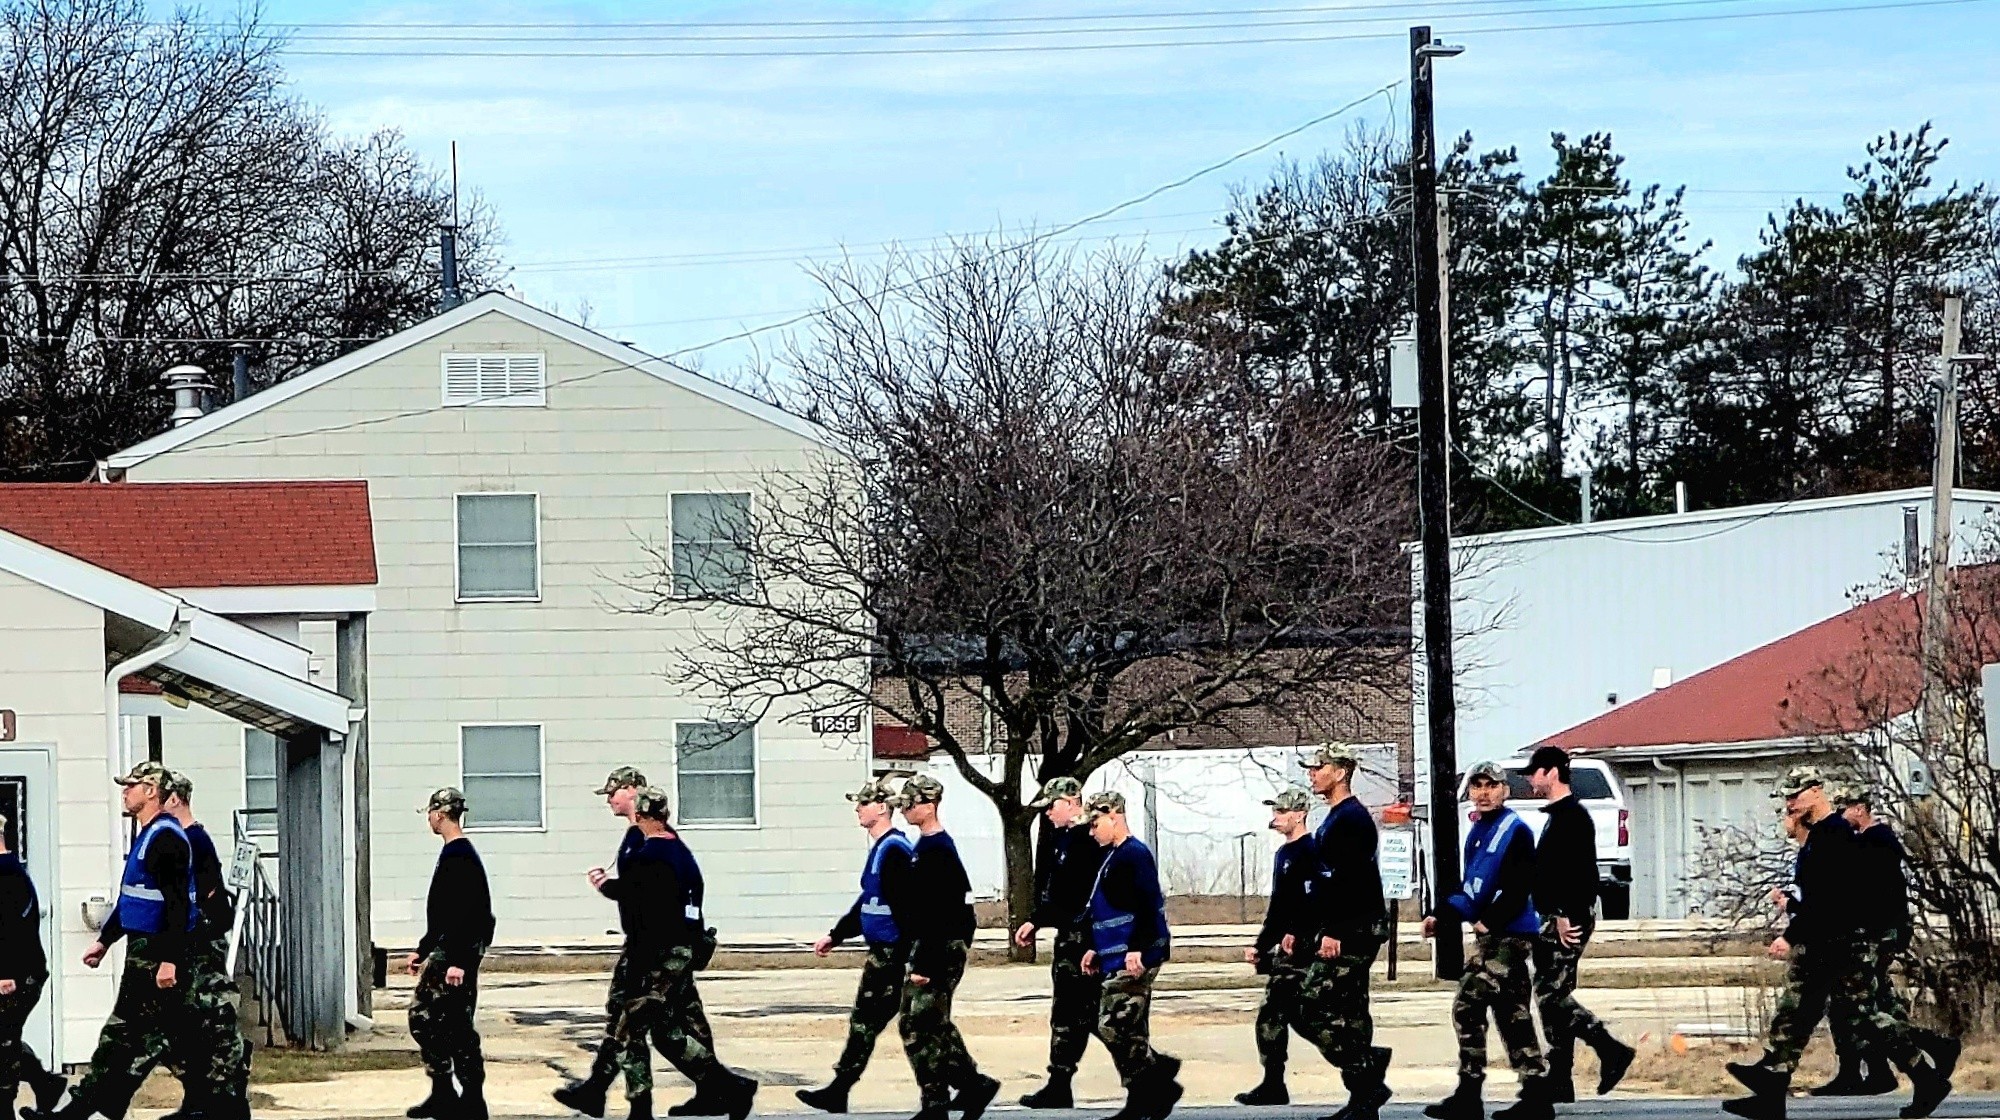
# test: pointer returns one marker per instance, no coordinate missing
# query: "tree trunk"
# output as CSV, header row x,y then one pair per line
x,y
1018,841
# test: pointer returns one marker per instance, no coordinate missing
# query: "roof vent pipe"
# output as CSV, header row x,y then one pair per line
x,y
190,387
239,371
448,260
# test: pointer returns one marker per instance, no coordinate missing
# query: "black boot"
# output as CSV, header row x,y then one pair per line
x,y
832,1097
1561,1079
975,1095
1463,1104
1056,1094
933,1110
1847,1080
733,1092
1367,1088
192,1106
1162,1091
586,1096
471,1097
1878,1077
1614,1058
1271,1090
48,1087
442,1103
701,1104
1532,1104
1930,1081
641,1106
1768,1088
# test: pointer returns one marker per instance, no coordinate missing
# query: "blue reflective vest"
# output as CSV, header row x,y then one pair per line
x,y
1111,928
878,921
1485,849
142,906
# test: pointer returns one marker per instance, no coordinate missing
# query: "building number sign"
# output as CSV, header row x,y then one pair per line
x,y
847,724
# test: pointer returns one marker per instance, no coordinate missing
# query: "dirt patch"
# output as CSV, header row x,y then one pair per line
x,y
1695,1069
277,1066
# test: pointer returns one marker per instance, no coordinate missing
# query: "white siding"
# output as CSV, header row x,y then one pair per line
x,y
603,457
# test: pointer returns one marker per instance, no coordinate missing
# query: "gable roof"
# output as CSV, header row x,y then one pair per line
x,y
1706,523
204,534
494,303
1843,675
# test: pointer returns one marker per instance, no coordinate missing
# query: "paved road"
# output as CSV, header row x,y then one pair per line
x,y
1875,1108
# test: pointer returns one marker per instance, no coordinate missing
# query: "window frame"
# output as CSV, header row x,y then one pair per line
x,y
458,547
756,821
539,399
673,567
243,760
541,767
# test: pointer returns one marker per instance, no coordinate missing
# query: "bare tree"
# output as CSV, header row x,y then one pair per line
x,y
1050,509
161,196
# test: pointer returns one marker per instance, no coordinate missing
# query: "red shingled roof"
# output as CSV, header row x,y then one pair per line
x,y
893,742
1847,674
204,534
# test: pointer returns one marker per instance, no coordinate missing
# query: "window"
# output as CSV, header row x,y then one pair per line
x,y
260,781
708,543
501,774
518,380
717,772
499,547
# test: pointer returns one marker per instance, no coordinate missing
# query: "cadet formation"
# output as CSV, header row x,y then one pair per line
x,y
1530,908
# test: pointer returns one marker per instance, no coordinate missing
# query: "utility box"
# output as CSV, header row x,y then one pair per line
x,y
1403,371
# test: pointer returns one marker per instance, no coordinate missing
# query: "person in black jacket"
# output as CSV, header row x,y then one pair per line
x,y
458,928
1286,920
212,1059
1884,907
1062,894
24,974
587,1095
938,948
1566,901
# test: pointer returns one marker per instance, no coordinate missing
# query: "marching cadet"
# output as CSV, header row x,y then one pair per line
x,y
1884,907
1496,900
690,1014
1285,919
881,917
1350,922
1566,901
1129,941
944,922
213,1058
155,913
1062,897
659,903
1832,961
458,929
24,974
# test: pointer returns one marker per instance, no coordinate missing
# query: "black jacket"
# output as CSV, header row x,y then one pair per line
x,y
1290,909
1566,862
1884,903
215,910
651,898
459,909
942,896
1064,880
21,953
1347,895
1822,903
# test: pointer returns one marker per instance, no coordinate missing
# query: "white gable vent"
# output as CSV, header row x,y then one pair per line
x,y
496,379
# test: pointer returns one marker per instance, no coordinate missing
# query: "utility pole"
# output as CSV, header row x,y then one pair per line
x,y
1937,611
1434,492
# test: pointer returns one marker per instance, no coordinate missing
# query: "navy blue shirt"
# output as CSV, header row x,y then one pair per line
x,y
21,954
942,893
1289,911
459,909
1347,896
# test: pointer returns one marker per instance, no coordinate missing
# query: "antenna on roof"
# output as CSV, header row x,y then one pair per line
x,y
448,244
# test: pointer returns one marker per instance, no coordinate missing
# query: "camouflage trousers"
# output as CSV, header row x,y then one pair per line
x,y
875,1003
937,1052
1888,945
17,1059
1332,1011
211,1053
1073,1008
1125,1023
1564,1020
1837,980
664,1008
1496,980
613,1055
1277,1011
441,1023
142,1027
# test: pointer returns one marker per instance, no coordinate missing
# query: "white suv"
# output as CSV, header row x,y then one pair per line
x,y
1597,787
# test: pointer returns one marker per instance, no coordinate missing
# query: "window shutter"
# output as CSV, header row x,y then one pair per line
x,y
495,379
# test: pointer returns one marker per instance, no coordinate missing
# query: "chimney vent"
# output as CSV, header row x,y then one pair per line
x,y
190,387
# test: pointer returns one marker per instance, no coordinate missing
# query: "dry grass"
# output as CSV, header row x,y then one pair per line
x,y
1694,1069
280,1066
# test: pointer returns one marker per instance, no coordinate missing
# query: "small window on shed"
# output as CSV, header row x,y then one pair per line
x,y
519,380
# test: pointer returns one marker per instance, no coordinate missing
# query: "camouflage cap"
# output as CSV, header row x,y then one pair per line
x,y
874,791
625,777
1851,792
1110,801
149,773
920,789
1488,772
1799,779
1057,789
651,802
448,800
178,785
1331,754
1293,800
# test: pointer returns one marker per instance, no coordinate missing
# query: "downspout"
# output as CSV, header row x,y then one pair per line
x,y
179,633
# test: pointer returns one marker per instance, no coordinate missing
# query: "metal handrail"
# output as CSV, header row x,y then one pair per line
x,y
257,941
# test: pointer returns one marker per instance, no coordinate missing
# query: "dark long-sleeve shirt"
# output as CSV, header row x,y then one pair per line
x,y
459,910
942,896
1566,862
1884,904
1822,903
1347,897
651,894
1130,883
167,861
896,891
1063,882
1290,910
22,956
215,911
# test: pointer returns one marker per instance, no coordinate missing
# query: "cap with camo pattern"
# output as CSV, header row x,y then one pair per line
x,y
149,773
1293,800
1331,754
1486,771
1058,789
1799,779
651,802
1110,801
447,800
178,785
625,777
876,791
1851,792
920,789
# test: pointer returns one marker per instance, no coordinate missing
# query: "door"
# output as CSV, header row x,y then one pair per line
x,y
27,800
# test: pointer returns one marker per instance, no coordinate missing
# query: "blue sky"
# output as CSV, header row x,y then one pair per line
x,y
778,160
